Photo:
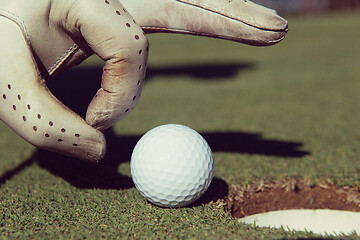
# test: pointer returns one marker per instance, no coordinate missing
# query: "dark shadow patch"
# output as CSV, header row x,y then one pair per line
x,y
205,72
76,87
104,175
11,173
82,174
252,143
217,190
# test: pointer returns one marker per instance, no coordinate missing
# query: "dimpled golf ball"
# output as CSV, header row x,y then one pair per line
x,y
172,165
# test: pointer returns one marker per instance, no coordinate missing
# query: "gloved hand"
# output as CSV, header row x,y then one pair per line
x,y
40,38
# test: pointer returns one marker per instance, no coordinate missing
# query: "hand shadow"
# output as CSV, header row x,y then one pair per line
x,y
76,87
202,72
105,175
69,88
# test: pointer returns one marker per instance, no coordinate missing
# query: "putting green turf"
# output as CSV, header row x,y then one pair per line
x,y
287,111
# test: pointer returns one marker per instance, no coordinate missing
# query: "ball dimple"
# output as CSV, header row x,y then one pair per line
x,y
170,165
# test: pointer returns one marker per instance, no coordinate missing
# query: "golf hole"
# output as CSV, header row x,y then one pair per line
x,y
298,205
320,221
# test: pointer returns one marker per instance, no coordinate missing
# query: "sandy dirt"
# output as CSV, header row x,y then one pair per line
x,y
293,194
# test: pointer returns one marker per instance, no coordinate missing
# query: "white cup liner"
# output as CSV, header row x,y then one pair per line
x,y
320,221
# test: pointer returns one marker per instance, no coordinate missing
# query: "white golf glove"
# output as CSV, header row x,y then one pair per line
x,y
40,38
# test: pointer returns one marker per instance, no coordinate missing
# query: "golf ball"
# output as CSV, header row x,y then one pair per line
x,y
172,165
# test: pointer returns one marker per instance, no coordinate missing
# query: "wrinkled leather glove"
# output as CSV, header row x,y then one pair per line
x,y
40,38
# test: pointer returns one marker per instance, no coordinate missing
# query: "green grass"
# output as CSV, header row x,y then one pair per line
x,y
287,111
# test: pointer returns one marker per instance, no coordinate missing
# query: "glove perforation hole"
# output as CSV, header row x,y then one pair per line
x,y
39,116
14,107
60,140
107,2
9,86
28,106
77,135
138,83
137,37
128,25
134,98
47,135
24,118
75,145
19,97
51,124
118,13
140,51
35,128
63,130
140,67
4,96
127,110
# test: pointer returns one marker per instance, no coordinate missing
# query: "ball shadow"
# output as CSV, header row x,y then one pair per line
x,y
217,190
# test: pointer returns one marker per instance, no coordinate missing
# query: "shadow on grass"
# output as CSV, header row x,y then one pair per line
x,y
253,143
208,72
105,175
75,88
217,190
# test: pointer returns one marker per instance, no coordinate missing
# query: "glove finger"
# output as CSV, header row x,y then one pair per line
x,y
28,107
112,34
237,20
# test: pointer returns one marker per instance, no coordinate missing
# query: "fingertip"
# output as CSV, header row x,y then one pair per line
x,y
99,152
92,145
